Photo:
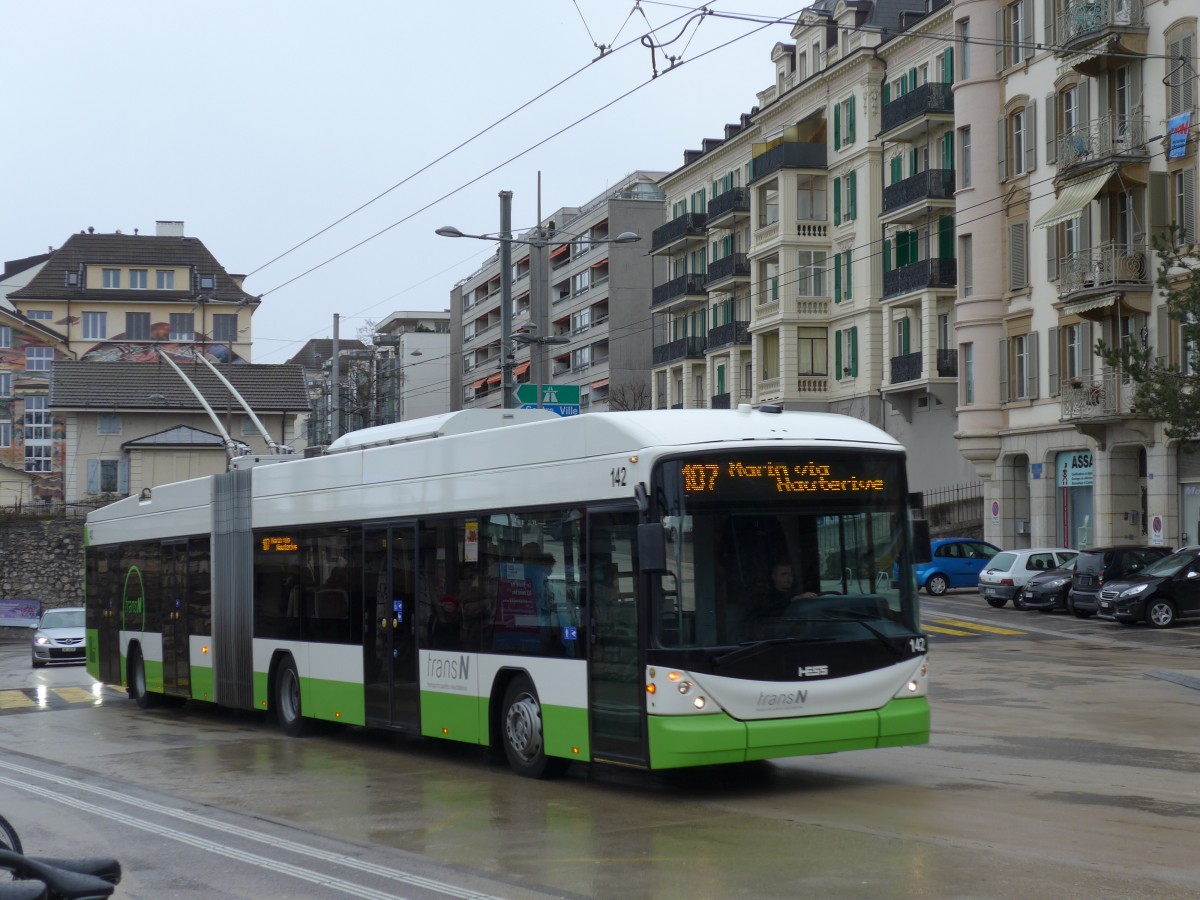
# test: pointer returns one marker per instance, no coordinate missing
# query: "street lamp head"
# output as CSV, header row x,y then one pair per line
x,y
627,237
449,231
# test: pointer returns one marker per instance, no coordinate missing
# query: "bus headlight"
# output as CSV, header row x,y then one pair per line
x,y
917,684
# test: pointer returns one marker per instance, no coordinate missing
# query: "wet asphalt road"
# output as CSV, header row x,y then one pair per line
x,y
1063,764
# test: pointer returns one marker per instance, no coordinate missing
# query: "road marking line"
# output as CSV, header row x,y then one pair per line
x,y
988,628
937,630
15,700
75,694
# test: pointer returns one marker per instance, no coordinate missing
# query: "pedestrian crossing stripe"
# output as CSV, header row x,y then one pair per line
x,y
954,627
46,698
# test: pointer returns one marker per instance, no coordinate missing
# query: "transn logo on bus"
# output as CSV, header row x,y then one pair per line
x,y
811,671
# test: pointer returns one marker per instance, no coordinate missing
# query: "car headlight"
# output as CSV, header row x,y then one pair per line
x,y
41,640
1133,591
1056,583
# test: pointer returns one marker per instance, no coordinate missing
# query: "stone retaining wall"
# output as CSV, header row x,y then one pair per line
x,y
42,560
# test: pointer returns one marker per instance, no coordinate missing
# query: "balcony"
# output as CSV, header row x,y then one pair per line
x,y
1102,269
937,274
907,116
679,232
1086,22
1103,408
729,207
676,288
728,335
1102,141
924,187
721,401
947,363
728,270
789,155
906,367
676,351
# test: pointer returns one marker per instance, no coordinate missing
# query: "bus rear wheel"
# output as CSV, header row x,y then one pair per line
x,y
137,680
521,733
287,699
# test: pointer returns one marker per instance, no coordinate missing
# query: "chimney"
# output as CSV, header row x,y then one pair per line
x,y
168,228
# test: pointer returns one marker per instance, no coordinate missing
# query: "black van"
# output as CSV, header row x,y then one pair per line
x,y
1095,566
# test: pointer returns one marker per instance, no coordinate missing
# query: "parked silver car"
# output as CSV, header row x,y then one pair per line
x,y
60,637
1005,575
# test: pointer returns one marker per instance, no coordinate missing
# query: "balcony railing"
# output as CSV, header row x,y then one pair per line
x,y
1107,265
734,201
928,273
729,334
735,265
1094,398
906,367
789,155
1086,18
947,363
1102,139
678,287
932,184
721,401
684,348
689,224
931,97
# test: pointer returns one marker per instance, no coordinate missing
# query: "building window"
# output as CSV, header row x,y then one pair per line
x,y
845,198
845,346
1181,71
208,282
40,315
968,374
812,351
137,279
5,434
900,341
249,429
810,198
1072,352
164,279
137,326
770,355
581,358
843,123
38,427
1018,138
580,283
183,327
1183,203
5,384
810,274
966,266
1015,22
964,157
1018,377
111,278
225,328
768,205
38,458
109,423
1020,358
943,331
5,336
95,326
38,359
108,475
962,30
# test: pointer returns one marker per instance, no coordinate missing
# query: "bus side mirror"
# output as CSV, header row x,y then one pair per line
x,y
922,550
652,547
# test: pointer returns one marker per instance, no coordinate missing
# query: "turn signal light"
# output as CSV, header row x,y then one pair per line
x,y
650,688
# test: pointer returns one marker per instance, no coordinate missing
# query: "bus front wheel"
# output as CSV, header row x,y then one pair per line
x,y
137,680
287,699
521,732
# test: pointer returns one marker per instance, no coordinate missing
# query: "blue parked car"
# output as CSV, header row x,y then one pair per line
x,y
956,563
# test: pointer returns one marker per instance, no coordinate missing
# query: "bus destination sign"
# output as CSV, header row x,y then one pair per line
x,y
708,478
279,545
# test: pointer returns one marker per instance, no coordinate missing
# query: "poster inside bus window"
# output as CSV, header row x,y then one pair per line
x,y
755,475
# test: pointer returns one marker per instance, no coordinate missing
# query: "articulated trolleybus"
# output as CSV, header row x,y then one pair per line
x,y
597,588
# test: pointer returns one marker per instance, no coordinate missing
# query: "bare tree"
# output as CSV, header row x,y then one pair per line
x,y
629,395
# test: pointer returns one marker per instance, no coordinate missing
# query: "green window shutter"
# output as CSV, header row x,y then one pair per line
x,y
912,78
853,198
837,126
948,66
946,237
837,356
887,93
854,351
912,161
903,85
837,201
849,276
887,255
904,344
837,278
897,164
850,121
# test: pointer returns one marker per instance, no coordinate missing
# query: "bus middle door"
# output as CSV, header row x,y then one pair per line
x,y
176,665
390,649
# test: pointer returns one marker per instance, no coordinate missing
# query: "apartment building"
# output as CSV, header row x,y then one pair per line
x,y
592,330
1073,210
810,251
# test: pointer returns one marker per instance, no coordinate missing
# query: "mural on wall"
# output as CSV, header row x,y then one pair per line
x,y
160,339
35,487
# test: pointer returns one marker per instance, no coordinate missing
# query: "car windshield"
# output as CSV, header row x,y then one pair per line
x,y
1171,565
1002,562
63,618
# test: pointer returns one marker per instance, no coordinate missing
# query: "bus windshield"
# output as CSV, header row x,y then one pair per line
x,y
788,544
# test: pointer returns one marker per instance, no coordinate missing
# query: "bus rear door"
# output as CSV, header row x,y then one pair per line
x,y
389,642
177,678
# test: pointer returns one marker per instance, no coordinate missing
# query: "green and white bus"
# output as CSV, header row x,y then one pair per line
x,y
586,588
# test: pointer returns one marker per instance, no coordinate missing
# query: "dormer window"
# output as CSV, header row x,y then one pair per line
x,y
208,282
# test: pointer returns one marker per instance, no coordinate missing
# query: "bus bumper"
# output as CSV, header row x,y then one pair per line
x,y
703,740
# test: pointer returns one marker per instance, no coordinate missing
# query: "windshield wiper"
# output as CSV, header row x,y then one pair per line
x,y
751,648
883,638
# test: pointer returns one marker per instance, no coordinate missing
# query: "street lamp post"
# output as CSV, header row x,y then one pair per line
x,y
539,295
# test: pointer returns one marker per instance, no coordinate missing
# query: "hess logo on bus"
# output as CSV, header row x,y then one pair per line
x,y
813,671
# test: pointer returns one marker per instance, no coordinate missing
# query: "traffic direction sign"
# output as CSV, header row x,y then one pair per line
x,y
561,409
552,395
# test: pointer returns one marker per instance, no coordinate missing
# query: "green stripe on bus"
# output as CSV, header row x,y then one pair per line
x,y
335,701
904,722
565,732
707,740
454,716
154,674
202,684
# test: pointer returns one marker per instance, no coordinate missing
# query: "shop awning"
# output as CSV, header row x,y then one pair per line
x,y
1082,306
478,384
603,262
520,370
1074,196
559,250
493,379
603,382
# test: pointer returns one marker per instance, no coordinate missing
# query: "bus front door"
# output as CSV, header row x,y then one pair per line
x,y
615,662
389,647
176,664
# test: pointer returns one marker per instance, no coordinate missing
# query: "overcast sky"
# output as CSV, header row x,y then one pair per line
x,y
258,124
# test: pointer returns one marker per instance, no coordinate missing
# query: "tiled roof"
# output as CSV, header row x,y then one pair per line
x,y
316,352
181,436
156,387
130,250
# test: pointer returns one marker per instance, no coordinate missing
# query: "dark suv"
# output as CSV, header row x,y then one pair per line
x,y
1093,567
1159,594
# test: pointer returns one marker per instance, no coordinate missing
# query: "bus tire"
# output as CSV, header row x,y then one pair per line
x,y
9,840
287,699
521,732
137,680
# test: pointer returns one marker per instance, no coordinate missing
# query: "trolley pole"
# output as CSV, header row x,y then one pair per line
x,y
507,388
